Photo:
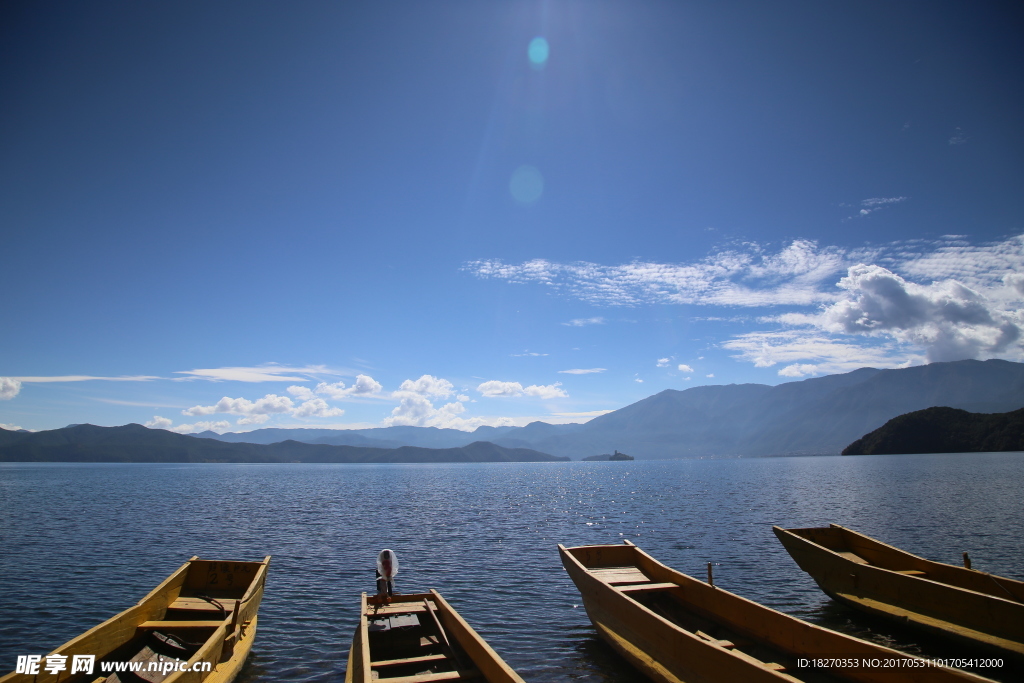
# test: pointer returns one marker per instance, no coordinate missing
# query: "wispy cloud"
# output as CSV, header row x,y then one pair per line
x,y
869,206
811,352
142,404
581,322
581,371
889,305
86,378
262,373
751,276
589,413
958,137
527,353
683,367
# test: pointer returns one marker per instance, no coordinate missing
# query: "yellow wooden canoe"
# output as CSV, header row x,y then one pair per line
x,y
201,621
676,629
420,638
979,609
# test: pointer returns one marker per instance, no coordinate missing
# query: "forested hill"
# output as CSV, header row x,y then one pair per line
x,y
135,443
944,430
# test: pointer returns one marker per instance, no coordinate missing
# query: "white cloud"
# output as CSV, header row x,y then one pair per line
x,y
316,407
580,371
905,302
220,427
301,393
269,404
364,386
546,391
427,385
527,353
10,427
799,370
581,322
262,373
254,419
948,319
685,368
159,423
9,388
827,354
638,380
497,388
710,375
462,398
958,137
418,411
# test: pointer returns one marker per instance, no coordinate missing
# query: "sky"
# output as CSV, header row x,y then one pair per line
x,y
360,214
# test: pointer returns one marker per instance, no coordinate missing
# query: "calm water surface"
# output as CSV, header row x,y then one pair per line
x,y
79,543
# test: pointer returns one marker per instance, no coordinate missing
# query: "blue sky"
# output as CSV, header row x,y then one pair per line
x,y
460,213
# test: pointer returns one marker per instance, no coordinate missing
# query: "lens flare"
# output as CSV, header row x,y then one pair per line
x,y
538,52
527,185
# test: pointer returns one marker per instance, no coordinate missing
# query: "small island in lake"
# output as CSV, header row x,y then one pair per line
x,y
944,430
614,456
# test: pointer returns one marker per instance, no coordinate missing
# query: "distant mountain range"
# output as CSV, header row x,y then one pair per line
x,y
135,443
821,415
944,430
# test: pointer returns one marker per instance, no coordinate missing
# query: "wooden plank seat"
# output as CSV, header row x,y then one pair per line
x,y
200,605
911,572
208,623
409,660
397,608
616,575
647,587
431,678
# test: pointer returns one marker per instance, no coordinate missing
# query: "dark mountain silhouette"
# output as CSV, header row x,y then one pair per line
x,y
944,430
135,443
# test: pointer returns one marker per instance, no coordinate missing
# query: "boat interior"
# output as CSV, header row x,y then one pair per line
x,y
665,600
408,642
206,603
867,551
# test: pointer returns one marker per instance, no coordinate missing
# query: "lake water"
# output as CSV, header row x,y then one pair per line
x,y
79,543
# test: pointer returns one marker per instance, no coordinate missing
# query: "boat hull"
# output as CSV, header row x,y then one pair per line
x,y
674,641
212,604
870,576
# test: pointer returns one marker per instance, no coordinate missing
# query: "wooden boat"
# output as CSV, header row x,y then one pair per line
x,y
420,638
674,628
979,609
204,614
